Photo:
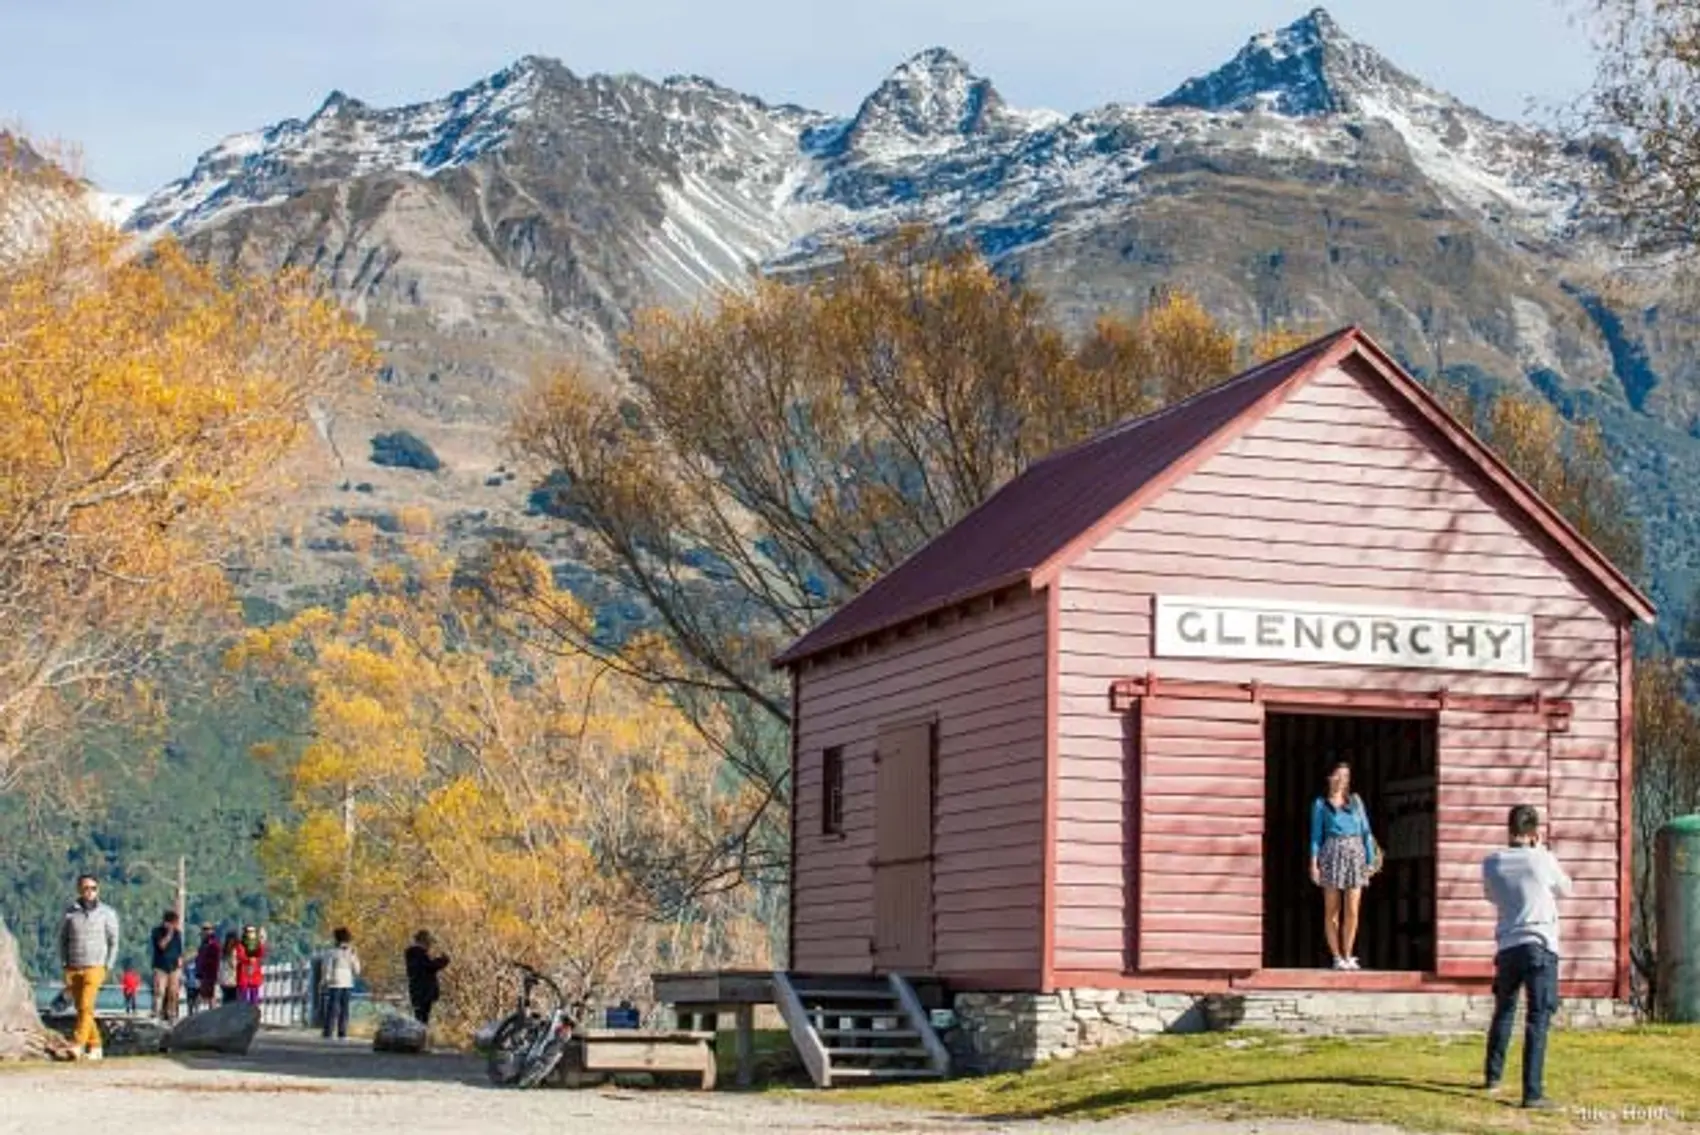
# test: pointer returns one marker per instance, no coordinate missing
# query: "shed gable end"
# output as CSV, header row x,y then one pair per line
x,y
1343,486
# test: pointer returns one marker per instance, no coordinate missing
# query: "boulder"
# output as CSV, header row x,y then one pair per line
x,y
399,1034
228,1028
131,1036
22,1036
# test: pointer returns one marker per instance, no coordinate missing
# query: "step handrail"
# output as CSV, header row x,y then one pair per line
x,y
803,1035
937,1054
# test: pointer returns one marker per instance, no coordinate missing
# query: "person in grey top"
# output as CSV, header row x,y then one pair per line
x,y
1523,881
88,949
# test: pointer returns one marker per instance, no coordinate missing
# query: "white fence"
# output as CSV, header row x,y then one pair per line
x,y
286,996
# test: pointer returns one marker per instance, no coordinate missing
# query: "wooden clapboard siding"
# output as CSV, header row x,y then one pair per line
x,y
981,679
1338,495
1186,919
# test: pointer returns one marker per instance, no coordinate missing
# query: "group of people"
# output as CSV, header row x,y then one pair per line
x,y
1523,881
228,971
88,952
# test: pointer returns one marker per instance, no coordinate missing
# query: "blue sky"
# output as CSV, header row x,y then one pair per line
x,y
142,88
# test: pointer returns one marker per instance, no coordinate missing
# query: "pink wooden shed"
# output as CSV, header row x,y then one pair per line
x,y
1072,742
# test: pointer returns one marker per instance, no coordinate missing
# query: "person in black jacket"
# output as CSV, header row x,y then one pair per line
x,y
423,988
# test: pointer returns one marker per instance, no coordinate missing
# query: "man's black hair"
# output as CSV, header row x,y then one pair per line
x,y
86,876
1524,820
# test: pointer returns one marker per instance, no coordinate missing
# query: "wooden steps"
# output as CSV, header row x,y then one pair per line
x,y
867,1029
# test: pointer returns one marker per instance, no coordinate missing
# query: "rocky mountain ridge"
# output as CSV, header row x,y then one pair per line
x,y
1308,180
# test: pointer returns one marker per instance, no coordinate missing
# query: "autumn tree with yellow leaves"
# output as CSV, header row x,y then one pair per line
x,y
144,402
522,805
755,463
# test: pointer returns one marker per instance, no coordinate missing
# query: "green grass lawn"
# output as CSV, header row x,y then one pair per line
x,y
1421,1083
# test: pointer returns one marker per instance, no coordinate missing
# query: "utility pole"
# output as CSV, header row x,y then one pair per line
x,y
182,890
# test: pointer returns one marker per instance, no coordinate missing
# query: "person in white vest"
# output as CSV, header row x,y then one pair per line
x,y
340,966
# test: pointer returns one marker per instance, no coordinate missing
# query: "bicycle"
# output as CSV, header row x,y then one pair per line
x,y
528,1045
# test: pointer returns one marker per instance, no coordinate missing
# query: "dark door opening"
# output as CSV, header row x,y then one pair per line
x,y
1393,769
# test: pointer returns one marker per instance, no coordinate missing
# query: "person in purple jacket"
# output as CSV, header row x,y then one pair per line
x,y
1343,856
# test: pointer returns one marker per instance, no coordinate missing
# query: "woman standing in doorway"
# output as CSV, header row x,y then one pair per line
x,y
1343,856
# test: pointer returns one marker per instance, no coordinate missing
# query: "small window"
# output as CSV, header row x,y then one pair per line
x,y
832,791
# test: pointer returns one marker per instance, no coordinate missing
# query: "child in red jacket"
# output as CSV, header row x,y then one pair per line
x,y
131,984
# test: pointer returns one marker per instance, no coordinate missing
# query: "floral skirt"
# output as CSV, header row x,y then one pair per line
x,y
1342,863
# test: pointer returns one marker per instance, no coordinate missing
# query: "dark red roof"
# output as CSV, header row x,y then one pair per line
x,y
1025,526
1039,511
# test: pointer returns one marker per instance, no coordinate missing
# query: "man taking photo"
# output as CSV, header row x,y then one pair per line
x,y
167,966
1523,882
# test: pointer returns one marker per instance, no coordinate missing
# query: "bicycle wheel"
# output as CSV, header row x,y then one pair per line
x,y
512,1038
536,1071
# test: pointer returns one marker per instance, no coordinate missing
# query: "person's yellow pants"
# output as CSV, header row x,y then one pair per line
x,y
84,985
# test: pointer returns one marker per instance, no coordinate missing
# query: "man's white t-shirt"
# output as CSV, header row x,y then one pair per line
x,y
1523,883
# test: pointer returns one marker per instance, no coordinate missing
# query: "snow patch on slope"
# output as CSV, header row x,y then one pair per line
x,y
113,208
343,139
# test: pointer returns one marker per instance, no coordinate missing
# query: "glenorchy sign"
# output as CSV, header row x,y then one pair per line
x,y
1285,631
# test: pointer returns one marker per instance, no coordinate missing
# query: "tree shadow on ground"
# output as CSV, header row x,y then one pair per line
x,y
1178,1094
310,1057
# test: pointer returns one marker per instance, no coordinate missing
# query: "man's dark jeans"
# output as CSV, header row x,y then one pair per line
x,y
336,1011
1533,968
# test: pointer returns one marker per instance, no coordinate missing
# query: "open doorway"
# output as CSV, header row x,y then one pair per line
x,y
1393,769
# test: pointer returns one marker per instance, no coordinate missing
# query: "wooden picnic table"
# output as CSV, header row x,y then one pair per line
x,y
698,999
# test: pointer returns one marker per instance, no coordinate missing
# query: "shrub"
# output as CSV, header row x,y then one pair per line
x,y
404,451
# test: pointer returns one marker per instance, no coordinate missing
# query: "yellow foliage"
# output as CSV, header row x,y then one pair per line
x,y
145,402
1282,339
519,805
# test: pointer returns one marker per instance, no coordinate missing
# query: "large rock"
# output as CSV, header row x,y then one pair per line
x,y
131,1036
228,1028
22,1036
399,1034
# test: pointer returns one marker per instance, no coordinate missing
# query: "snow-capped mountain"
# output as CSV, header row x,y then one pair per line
x,y
724,182
1307,180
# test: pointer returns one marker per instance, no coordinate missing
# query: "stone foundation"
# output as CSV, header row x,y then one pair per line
x,y
999,1032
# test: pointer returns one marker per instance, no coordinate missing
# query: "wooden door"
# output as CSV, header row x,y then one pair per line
x,y
1200,834
903,849
1489,762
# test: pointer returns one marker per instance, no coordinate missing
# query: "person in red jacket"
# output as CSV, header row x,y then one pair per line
x,y
131,984
250,965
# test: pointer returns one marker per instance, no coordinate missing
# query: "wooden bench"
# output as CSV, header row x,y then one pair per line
x,y
633,1050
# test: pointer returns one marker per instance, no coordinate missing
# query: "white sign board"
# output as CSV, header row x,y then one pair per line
x,y
1279,630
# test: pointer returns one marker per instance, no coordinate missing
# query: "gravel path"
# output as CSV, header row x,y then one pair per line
x,y
290,1085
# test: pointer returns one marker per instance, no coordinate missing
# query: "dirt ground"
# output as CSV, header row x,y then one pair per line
x,y
293,1085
